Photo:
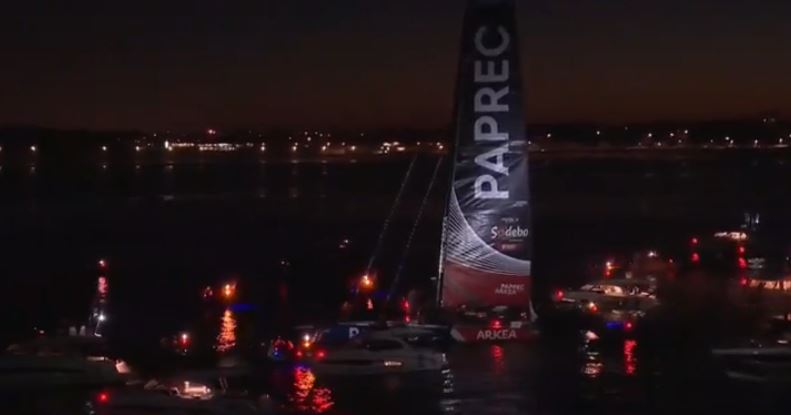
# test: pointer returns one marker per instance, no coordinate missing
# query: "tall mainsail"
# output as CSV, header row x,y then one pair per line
x,y
486,257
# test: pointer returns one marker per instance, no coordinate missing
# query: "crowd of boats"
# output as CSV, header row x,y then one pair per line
x,y
617,305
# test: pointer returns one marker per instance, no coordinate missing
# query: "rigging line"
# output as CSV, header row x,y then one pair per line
x,y
414,229
390,215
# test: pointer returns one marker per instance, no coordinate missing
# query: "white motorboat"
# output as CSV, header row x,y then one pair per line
x,y
376,353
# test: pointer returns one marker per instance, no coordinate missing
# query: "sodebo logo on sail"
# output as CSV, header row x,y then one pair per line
x,y
509,232
487,101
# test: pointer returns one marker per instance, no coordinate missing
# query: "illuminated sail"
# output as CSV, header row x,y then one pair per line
x,y
487,236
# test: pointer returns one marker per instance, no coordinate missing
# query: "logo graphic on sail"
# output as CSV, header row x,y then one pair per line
x,y
487,230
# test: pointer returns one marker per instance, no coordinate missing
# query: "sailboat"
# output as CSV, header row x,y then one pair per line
x,y
486,256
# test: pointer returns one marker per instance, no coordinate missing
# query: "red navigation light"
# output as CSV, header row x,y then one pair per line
x,y
743,281
405,305
628,326
496,324
102,263
742,250
695,257
559,294
592,307
694,241
184,339
103,397
299,354
321,354
742,263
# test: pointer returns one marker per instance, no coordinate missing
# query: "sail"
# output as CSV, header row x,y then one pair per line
x,y
486,256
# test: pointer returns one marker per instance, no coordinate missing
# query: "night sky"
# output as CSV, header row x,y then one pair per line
x,y
380,63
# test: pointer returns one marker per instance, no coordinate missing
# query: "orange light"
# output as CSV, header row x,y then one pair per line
x,y
228,290
366,281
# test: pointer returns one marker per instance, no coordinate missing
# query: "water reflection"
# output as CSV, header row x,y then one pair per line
x,y
498,359
307,397
226,340
593,365
629,358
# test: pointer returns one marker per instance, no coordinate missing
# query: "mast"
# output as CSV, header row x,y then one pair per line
x,y
486,240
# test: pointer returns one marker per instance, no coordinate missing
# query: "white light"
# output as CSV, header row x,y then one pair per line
x,y
104,148
598,132
137,148
102,317
33,148
354,148
393,363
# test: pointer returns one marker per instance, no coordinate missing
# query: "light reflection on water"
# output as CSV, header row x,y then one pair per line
x,y
596,363
630,360
307,396
226,339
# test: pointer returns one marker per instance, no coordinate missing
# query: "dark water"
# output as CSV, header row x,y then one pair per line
x,y
168,230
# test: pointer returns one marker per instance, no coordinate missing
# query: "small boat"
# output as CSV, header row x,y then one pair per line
x,y
60,361
375,353
140,400
760,360
608,294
